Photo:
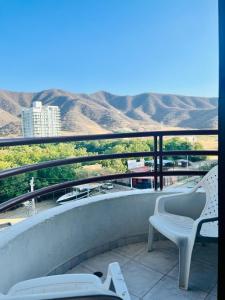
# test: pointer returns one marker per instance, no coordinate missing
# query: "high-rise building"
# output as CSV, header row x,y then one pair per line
x,y
41,120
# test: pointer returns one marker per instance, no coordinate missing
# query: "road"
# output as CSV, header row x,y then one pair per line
x,y
21,213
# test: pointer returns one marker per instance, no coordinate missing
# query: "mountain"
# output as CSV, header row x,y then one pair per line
x,y
104,112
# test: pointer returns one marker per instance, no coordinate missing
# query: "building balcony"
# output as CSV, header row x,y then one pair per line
x,y
85,235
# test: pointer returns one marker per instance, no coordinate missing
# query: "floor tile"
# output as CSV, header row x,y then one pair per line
x,y
214,290
139,279
101,262
202,275
211,296
167,288
132,297
159,260
131,250
207,253
164,244
80,269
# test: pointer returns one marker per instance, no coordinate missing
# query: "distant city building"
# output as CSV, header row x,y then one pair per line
x,y
41,120
133,163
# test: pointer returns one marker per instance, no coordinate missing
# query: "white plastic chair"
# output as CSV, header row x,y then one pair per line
x,y
72,286
184,231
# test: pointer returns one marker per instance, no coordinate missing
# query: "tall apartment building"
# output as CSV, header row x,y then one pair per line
x,y
41,120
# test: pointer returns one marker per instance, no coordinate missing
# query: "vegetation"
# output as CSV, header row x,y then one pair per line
x,y
23,155
11,157
178,144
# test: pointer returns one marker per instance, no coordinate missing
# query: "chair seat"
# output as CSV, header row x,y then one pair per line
x,y
172,226
57,283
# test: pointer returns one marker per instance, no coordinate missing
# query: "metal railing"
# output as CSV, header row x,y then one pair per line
x,y
158,153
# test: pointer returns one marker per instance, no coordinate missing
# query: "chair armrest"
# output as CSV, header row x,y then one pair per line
x,y
197,225
161,200
201,221
115,281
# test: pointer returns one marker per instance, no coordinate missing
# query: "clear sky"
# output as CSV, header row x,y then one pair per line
x,y
121,46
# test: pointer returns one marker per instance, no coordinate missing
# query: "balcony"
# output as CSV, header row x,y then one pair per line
x,y
84,236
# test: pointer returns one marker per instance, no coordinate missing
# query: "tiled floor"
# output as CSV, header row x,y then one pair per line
x,y
153,276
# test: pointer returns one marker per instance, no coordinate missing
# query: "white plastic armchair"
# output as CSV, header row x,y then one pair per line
x,y
72,286
184,231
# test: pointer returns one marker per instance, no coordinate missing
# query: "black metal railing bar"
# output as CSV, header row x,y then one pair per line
x,y
158,153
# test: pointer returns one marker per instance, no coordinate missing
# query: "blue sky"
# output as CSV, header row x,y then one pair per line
x,y
121,46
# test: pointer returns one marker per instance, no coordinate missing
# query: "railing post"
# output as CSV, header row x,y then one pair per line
x,y
160,162
221,204
155,162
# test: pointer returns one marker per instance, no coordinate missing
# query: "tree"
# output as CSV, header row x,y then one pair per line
x,y
23,155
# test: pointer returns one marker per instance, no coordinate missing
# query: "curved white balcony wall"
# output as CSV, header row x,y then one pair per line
x,y
56,240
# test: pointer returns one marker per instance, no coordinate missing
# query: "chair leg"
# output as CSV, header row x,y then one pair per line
x,y
150,237
185,253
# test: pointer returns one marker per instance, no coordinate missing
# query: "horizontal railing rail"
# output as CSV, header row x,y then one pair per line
x,y
56,187
158,153
43,191
75,138
187,152
73,160
91,158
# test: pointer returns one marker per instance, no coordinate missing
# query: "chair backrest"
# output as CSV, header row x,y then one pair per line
x,y
210,184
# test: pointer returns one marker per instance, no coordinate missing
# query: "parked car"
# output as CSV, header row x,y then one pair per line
x,y
183,163
108,186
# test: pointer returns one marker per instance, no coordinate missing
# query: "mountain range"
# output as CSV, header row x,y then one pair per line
x,y
102,112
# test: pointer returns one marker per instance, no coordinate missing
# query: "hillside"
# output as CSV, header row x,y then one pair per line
x,y
104,112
